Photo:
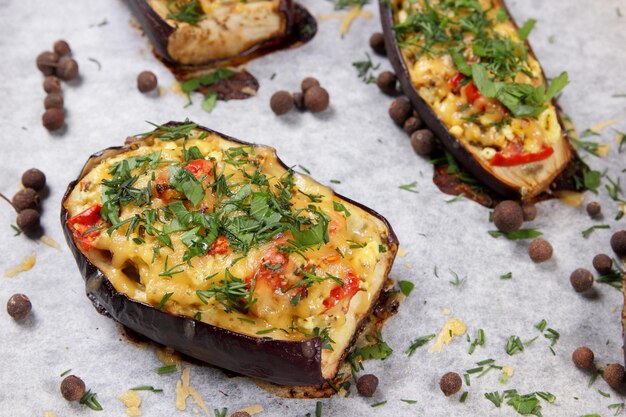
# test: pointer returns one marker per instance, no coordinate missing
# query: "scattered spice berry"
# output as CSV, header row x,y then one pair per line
x,y
386,82
62,48
146,81
67,68
26,198
240,414
400,110
508,216
34,178
412,124
281,102
28,221
583,357
19,306
72,388
309,82
594,209
530,212
581,279
618,243
614,375
52,84
53,119
47,62
377,43
298,100
423,142
316,99
603,264
366,385
53,100
450,383
540,250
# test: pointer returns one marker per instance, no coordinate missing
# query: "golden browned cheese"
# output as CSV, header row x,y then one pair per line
x,y
358,245
227,29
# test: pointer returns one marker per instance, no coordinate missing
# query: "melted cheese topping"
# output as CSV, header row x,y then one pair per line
x,y
348,270
228,28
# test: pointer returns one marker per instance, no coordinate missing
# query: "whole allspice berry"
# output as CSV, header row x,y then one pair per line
x,y
377,43
146,81
614,375
298,100
508,216
618,243
29,221
386,82
19,306
603,264
400,110
450,383
540,250
309,82
67,68
530,212
72,388
581,279
52,84
423,142
281,102
594,209
412,124
366,385
53,119
53,101
47,62
26,198
316,99
62,48
583,357
34,178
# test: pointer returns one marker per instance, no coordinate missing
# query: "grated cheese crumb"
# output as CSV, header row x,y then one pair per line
x,y
347,18
49,414
453,328
26,265
184,390
47,240
603,125
572,198
132,400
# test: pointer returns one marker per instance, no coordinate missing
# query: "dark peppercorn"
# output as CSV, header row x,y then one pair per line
x,y
281,102
581,279
450,383
146,81
28,221
530,212
72,388
62,48
26,198
19,306
618,243
240,414
52,84
309,82
53,100
386,82
46,62
583,357
377,43
34,178
594,209
316,99
53,119
423,142
298,101
540,250
508,216
412,124
603,264
67,68
614,375
366,385
400,110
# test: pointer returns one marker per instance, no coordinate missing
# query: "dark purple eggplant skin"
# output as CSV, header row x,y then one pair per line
x,y
277,361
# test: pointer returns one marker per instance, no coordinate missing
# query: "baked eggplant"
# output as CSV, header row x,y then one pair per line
x,y
216,248
474,80
216,32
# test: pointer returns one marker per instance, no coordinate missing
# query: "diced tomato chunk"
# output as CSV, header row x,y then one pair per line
x,y
200,167
456,80
351,285
519,158
83,225
271,270
472,93
220,246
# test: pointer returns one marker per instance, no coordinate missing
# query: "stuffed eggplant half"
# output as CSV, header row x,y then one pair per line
x,y
214,247
194,32
471,75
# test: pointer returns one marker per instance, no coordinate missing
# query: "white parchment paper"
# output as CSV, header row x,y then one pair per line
x,y
354,142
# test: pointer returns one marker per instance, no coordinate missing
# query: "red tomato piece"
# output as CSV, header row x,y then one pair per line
x,y
456,80
220,246
271,269
521,158
200,167
351,284
83,222
472,93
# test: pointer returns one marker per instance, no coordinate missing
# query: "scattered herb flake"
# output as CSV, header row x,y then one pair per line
x,y
419,342
409,187
517,235
166,369
366,69
147,388
406,287
379,404
588,232
66,372
164,300
508,275
89,400
409,401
